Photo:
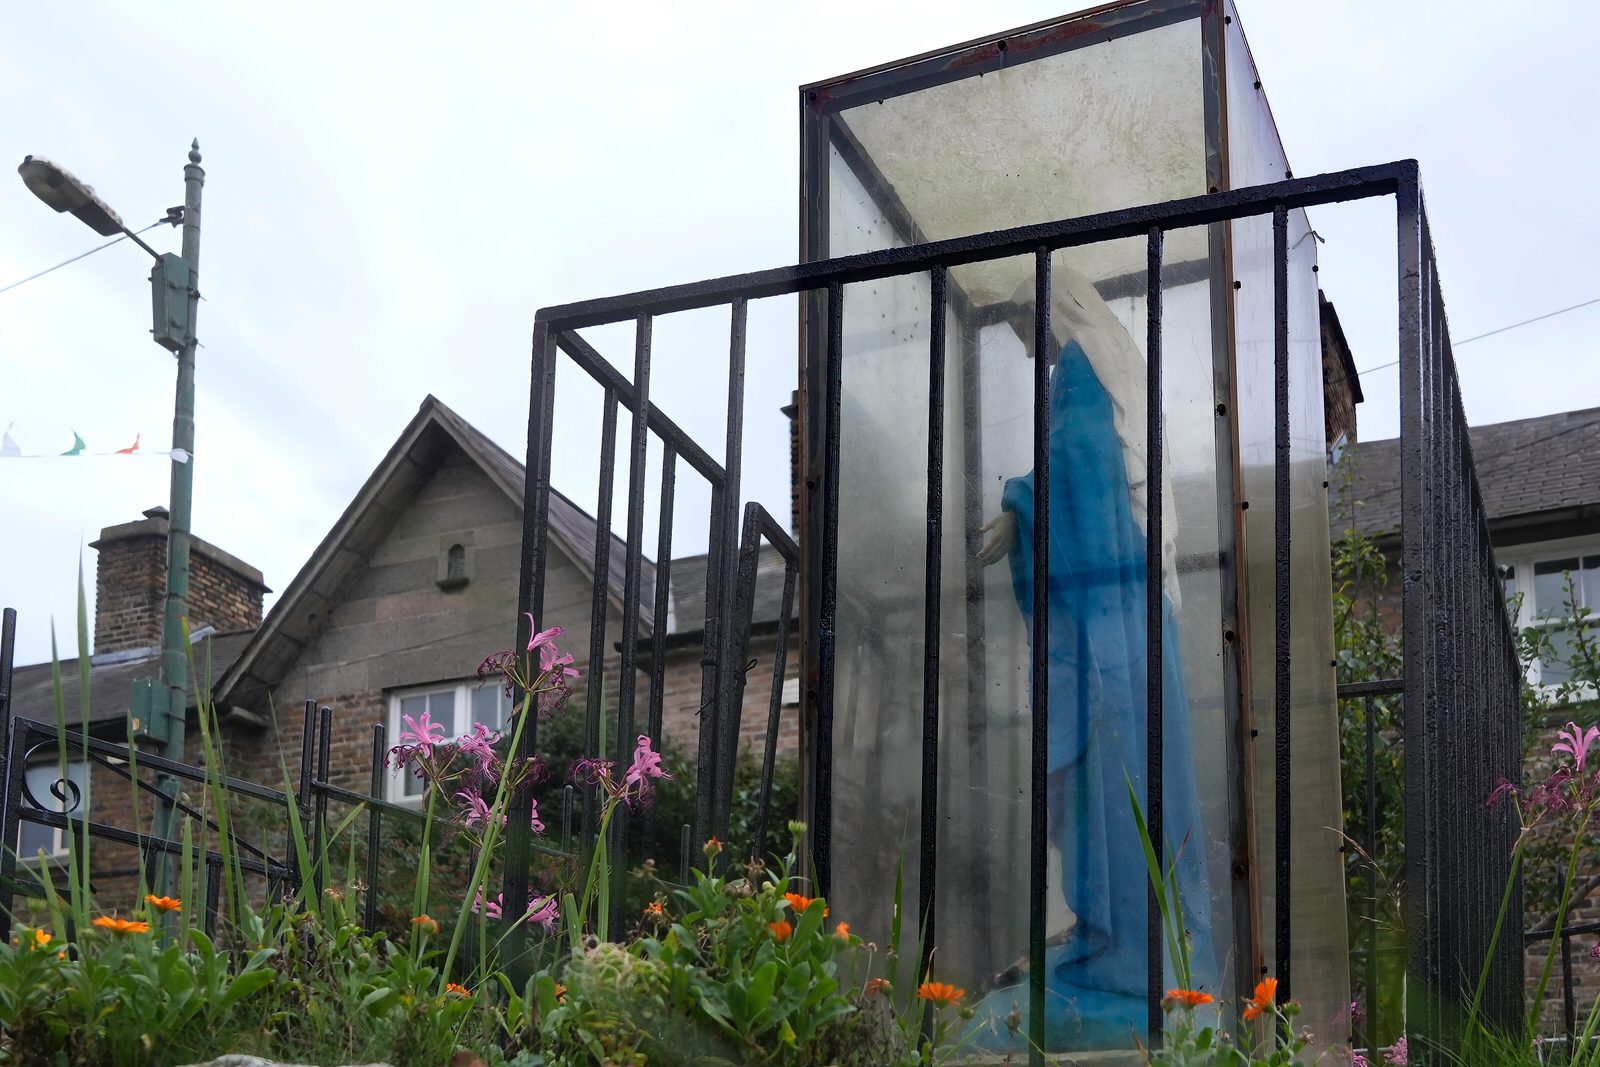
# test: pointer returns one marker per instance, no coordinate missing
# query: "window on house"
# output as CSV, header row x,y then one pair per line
x,y
458,707
32,837
1554,585
456,564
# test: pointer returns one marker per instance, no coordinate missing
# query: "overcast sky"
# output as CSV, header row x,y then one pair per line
x,y
393,189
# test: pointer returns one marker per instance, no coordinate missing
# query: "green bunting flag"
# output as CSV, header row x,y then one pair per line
x,y
10,449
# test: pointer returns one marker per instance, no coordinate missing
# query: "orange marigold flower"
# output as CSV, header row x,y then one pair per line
x,y
800,903
780,930
843,931
1190,998
426,923
36,938
163,903
876,986
458,990
561,992
713,847
1266,990
656,909
941,993
122,926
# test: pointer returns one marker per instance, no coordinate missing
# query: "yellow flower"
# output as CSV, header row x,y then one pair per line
x,y
163,903
1266,989
780,930
1189,998
941,993
426,924
122,926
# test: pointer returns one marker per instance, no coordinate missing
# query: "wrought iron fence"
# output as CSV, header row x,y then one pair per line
x,y
1460,677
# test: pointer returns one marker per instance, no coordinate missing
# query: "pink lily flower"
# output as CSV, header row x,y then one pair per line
x,y
1575,742
540,637
543,910
420,732
646,765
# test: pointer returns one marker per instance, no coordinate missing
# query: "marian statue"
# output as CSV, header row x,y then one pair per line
x,y
1100,485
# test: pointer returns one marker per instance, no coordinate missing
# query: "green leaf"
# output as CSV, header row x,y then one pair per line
x,y
246,984
762,984
379,1000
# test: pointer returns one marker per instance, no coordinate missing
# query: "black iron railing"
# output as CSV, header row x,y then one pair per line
x,y
1460,677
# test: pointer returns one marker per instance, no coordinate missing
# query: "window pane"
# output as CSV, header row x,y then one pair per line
x,y
442,706
413,706
411,783
488,706
1550,595
31,838
1557,668
1591,582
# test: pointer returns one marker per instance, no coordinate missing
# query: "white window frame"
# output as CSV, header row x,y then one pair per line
x,y
1522,559
461,694
50,770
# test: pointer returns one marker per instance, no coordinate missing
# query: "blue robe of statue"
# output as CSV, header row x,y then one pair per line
x,y
1096,981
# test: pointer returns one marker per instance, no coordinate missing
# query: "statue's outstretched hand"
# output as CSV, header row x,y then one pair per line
x,y
1002,531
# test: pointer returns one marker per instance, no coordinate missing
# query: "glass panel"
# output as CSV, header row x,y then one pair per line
x,y
1591,583
488,704
1552,598
1317,905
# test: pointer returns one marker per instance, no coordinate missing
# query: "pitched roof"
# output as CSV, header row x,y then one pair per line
x,y
431,435
110,680
1546,467
688,579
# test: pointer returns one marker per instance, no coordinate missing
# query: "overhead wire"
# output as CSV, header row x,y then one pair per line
x,y
81,255
1491,333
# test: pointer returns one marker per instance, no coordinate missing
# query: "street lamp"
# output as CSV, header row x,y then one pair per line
x,y
157,708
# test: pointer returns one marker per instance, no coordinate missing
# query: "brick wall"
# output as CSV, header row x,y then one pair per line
x,y
680,704
1341,388
131,586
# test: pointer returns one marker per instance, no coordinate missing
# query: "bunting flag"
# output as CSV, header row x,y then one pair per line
x,y
10,449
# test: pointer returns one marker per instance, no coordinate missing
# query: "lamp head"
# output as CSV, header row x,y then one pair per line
x,y
59,188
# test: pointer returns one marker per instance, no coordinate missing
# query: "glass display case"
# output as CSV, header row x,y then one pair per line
x,y
1129,104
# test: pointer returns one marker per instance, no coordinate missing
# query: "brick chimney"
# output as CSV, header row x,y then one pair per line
x,y
131,583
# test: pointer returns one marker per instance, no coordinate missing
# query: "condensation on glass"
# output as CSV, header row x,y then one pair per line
x,y
1090,113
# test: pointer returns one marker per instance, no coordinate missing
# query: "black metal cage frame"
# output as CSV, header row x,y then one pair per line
x,y
1460,673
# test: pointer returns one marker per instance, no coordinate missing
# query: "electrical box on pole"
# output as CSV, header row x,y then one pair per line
x,y
170,282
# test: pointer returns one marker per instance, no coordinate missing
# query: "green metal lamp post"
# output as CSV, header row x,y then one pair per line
x,y
158,708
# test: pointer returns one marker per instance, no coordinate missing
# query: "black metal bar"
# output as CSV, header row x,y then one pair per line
x,y
1038,824
1358,183
1569,1010
658,622
369,920
1154,648
633,565
933,549
566,817
1386,687
9,825
319,827
600,369
769,757
530,609
1421,705
8,646
828,595
1371,740
594,692
736,625
308,748
1282,692
683,854
213,893
706,763
732,611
